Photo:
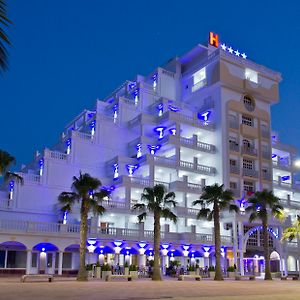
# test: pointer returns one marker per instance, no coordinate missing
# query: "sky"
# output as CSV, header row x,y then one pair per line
x,y
68,53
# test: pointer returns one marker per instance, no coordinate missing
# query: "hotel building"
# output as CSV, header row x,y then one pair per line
x,y
201,118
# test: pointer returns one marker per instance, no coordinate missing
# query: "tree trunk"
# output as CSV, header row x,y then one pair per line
x,y
218,274
156,268
82,273
268,275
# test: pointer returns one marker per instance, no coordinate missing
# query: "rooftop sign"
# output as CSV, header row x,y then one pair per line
x,y
214,41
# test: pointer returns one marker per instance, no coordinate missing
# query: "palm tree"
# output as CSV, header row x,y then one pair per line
x,y
261,204
4,21
87,190
293,232
218,199
158,203
6,160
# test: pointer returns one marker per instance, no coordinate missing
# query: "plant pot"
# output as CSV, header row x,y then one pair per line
x,y
90,273
134,274
126,271
98,272
105,273
192,272
231,274
212,274
197,271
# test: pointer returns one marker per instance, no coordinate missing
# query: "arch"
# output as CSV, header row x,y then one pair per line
x,y
174,253
291,263
253,229
72,248
13,245
195,254
128,251
104,250
274,255
44,247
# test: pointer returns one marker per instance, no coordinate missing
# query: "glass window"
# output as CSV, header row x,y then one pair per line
x,y
251,75
34,259
199,76
247,121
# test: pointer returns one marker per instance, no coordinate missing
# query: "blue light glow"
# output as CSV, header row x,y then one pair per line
x,y
65,217
204,116
173,108
274,155
260,228
153,148
68,143
285,178
160,131
41,164
131,85
132,168
154,78
93,126
116,171
135,94
11,189
160,108
139,151
172,131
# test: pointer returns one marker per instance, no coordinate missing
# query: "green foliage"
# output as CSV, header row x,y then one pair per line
x,y
133,268
98,264
126,265
191,268
106,267
211,269
293,232
89,267
230,269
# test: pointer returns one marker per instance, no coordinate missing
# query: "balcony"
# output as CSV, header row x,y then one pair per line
x,y
190,120
56,155
250,173
249,150
186,187
192,143
266,154
266,176
233,124
234,169
265,134
175,164
249,131
234,146
283,165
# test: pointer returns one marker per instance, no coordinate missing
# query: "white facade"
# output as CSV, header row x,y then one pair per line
x,y
202,118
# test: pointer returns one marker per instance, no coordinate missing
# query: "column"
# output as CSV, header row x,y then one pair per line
x,y
28,262
240,241
142,261
53,262
5,259
164,263
60,262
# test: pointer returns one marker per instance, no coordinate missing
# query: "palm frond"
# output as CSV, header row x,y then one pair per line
x,y
233,207
67,198
13,176
139,206
290,234
96,207
172,203
168,214
142,216
253,216
203,213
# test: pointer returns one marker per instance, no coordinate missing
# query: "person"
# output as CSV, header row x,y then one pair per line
x,y
206,271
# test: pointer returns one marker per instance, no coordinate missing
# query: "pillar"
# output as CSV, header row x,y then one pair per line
x,y
60,262
240,247
5,259
142,261
28,262
164,263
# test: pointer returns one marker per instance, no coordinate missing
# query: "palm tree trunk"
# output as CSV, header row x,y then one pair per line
x,y
268,275
156,268
82,273
218,275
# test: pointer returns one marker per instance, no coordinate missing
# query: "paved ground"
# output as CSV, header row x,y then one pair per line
x,y
11,288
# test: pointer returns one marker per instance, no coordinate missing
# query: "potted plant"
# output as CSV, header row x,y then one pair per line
x,y
191,270
126,268
106,270
231,272
89,269
133,271
98,270
212,272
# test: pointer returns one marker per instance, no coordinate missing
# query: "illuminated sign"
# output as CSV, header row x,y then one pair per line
x,y
214,41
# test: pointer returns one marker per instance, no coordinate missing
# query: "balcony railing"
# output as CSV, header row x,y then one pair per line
x,y
233,124
249,150
266,176
234,147
234,169
56,155
250,173
281,164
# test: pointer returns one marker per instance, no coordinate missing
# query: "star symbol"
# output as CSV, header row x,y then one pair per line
x,y
244,56
223,46
230,50
237,53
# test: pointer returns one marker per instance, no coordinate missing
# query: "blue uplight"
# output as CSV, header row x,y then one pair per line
x,y
153,148
132,168
204,116
285,178
116,171
173,108
160,131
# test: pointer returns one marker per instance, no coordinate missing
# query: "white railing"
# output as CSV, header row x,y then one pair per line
x,y
114,204
206,169
141,181
30,177
55,155
83,135
6,203
199,85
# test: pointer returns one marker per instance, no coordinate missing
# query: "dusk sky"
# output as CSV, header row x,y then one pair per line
x,y
68,53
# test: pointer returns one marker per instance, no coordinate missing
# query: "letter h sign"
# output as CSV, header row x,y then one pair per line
x,y
214,39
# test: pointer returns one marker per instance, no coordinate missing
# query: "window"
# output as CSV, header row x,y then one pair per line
x,y
248,186
232,162
233,185
199,79
247,121
249,103
248,164
251,75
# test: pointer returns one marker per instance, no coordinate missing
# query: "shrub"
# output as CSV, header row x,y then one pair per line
x,y
211,269
126,265
230,269
133,268
89,267
98,264
191,268
106,267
